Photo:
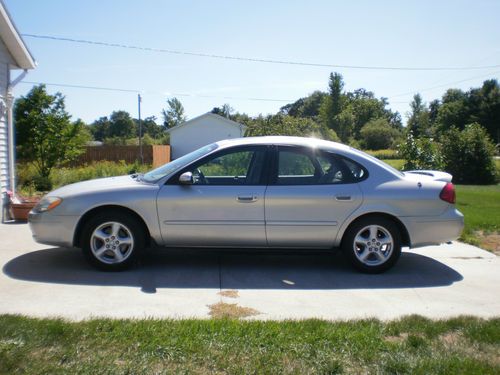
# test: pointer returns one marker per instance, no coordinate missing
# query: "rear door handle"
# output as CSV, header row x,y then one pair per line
x,y
343,198
247,198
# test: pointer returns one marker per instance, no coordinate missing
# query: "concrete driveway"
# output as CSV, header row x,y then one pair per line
x,y
436,282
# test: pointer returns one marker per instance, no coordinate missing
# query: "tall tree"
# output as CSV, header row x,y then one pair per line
x,y
174,114
44,133
418,118
332,106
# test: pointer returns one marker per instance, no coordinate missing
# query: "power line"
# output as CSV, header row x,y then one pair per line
x,y
253,59
444,85
157,93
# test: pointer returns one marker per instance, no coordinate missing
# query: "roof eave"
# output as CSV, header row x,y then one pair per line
x,y
13,41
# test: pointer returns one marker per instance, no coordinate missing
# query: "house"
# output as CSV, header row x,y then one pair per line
x,y
201,131
14,55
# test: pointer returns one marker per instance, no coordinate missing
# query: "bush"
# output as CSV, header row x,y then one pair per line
x,y
468,155
420,153
377,134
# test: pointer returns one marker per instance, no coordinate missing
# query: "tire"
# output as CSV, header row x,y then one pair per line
x,y
372,244
113,241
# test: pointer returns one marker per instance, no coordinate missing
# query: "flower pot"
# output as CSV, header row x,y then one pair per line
x,y
21,210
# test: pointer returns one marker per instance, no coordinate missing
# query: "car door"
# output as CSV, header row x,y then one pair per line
x,y
310,194
224,205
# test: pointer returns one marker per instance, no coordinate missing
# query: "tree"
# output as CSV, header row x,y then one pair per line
x,y
377,134
225,110
100,129
121,125
150,127
45,135
305,107
174,114
468,155
484,107
287,125
418,118
332,105
453,111
420,153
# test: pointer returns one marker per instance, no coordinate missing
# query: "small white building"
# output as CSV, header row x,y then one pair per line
x,y
13,55
201,131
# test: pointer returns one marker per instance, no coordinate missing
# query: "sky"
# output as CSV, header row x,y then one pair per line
x,y
446,33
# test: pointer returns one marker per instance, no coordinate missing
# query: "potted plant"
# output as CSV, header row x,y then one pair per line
x,y
21,206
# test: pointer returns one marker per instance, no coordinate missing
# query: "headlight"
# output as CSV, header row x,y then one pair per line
x,y
47,204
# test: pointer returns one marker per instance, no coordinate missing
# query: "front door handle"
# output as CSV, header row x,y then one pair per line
x,y
247,198
343,198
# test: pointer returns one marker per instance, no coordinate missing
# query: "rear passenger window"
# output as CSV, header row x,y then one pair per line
x,y
297,166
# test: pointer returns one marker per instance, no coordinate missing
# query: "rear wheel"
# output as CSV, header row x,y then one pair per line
x,y
112,241
372,244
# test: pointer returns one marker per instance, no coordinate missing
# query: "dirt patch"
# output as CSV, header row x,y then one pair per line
x,y
489,241
230,310
450,338
229,293
396,339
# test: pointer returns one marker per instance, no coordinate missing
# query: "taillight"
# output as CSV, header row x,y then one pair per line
x,y
448,193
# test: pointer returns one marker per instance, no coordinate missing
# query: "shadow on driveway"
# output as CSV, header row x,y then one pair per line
x,y
187,268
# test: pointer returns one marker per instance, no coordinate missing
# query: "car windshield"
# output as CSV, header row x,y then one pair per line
x,y
175,165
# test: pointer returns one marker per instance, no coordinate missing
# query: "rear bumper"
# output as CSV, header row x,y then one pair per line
x,y
434,230
51,229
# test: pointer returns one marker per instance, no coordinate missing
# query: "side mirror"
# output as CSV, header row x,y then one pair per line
x,y
186,178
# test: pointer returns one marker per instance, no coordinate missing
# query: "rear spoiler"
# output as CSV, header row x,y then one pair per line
x,y
435,175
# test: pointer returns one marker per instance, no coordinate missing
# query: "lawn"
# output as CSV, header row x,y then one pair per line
x,y
481,208
463,345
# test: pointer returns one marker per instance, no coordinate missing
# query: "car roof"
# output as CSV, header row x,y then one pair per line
x,y
284,141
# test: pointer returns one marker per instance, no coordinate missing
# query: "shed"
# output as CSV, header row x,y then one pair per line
x,y
201,131
13,55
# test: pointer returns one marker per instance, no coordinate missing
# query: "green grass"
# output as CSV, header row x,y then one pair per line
x,y
26,173
396,163
412,345
481,208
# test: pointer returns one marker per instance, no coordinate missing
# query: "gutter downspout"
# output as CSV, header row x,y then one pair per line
x,y
10,126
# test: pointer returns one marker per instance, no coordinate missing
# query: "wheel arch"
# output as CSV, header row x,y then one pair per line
x,y
405,236
77,236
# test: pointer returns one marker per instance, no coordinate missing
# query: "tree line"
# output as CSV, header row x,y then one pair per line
x,y
46,135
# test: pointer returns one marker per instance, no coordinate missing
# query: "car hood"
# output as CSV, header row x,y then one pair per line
x,y
97,185
429,174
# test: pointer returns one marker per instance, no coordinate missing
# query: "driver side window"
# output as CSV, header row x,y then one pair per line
x,y
238,167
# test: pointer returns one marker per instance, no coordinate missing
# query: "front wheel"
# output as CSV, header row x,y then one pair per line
x,y
372,244
112,241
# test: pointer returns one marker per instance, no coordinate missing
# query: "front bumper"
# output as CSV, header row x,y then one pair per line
x,y
50,229
434,230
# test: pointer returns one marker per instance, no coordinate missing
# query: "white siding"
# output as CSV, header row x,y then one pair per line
x,y
202,131
5,59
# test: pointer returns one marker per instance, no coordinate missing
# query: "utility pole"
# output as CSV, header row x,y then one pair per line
x,y
139,99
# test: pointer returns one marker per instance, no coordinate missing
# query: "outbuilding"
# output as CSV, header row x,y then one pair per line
x,y
201,131
14,55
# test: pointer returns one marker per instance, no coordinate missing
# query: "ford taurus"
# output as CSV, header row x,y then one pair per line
x,y
263,192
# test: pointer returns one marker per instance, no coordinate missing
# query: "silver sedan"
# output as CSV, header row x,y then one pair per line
x,y
264,192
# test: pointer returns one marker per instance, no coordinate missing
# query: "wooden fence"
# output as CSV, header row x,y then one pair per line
x,y
155,154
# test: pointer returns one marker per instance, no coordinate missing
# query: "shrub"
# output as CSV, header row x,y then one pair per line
x,y
420,153
377,134
468,155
